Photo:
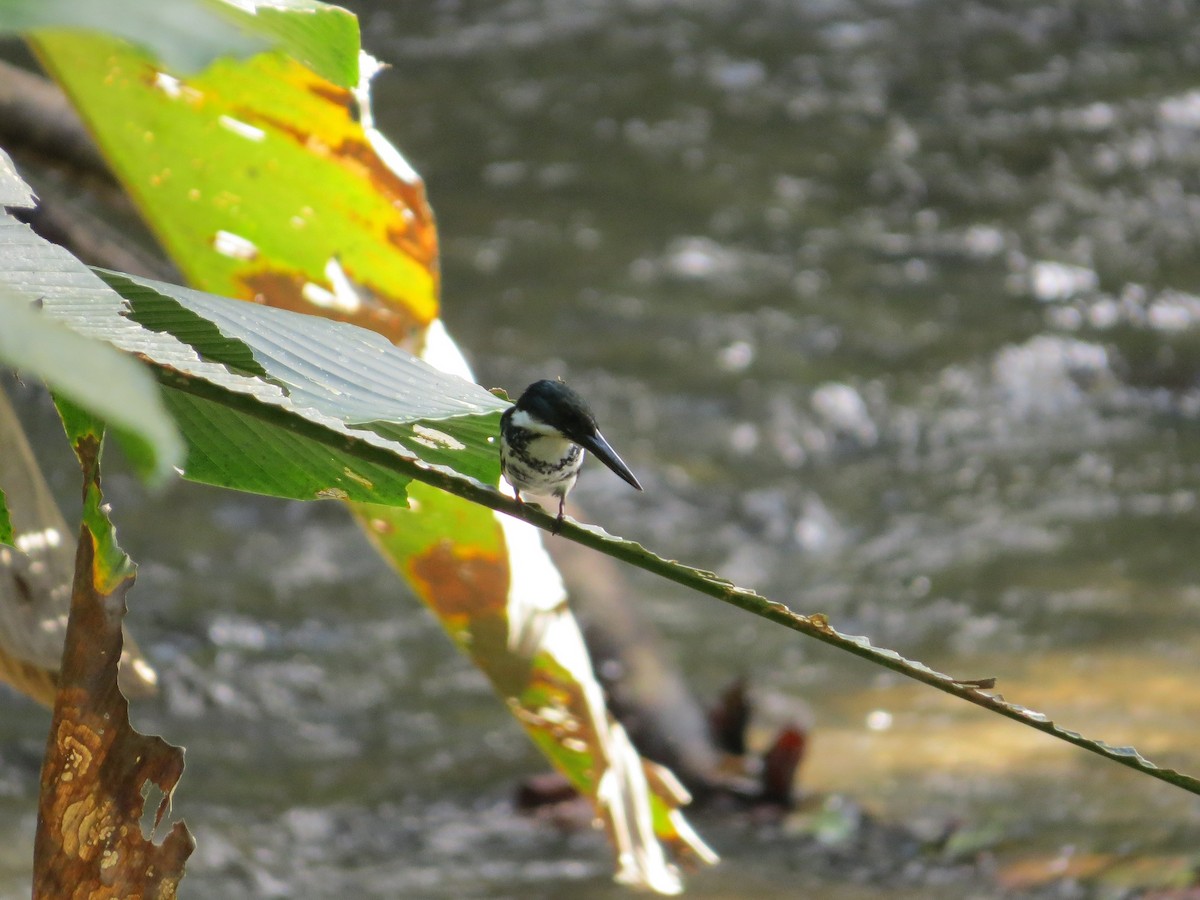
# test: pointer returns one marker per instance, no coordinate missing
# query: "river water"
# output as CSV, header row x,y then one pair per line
x,y
893,307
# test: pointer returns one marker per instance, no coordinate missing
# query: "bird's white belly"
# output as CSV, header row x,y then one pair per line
x,y
547,465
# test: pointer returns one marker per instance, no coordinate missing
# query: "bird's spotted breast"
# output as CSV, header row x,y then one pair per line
x,y
540,463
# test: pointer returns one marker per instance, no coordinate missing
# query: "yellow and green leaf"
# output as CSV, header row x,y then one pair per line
x,y
260,181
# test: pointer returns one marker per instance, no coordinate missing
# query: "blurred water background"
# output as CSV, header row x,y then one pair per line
x,y
894,308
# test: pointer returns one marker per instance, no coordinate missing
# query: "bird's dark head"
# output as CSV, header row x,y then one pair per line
x,y
555,404
551,404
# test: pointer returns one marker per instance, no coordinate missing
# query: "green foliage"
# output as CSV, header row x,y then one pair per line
x,y
291,405
297,202
93,374
189,34
6,526
259,180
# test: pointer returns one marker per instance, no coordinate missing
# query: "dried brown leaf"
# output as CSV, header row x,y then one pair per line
x,y
89,841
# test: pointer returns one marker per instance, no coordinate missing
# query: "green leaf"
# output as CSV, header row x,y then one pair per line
x,y
228,448
978,692
109,384
6,527
187,35
321,36
336,368
260,180
290,405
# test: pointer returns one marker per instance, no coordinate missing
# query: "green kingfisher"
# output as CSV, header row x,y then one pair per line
x,y
543,441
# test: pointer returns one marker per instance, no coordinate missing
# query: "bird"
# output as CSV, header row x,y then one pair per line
x,y
543,440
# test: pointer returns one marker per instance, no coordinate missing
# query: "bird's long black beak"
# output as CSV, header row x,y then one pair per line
x,y
607,455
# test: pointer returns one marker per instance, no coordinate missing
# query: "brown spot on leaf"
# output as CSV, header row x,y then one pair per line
x,y
416,241
419,236
468,591
416,236
466,583
821,622
331,92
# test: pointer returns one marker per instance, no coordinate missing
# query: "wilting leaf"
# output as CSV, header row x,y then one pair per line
x,y
89,838
502,602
